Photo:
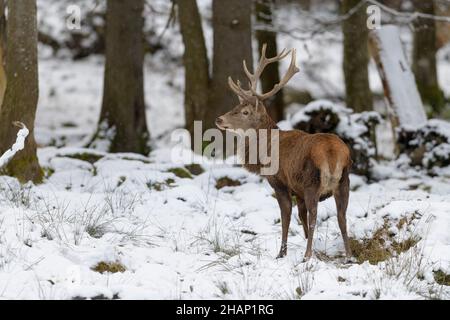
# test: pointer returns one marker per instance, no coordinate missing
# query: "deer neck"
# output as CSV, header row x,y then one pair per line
x,y
267,123
263,136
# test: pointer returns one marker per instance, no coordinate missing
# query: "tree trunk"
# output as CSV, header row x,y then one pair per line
x,y
356,57
21,94
394,4
275,105
195,63
305,4
424,58
2,50
232,44
122,119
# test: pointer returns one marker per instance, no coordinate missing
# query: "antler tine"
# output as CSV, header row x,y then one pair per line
x,y
233,86
236,88
280,56
263,51
254,77
263,62
249,75
292,70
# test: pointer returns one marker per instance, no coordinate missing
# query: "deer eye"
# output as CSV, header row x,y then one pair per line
x,y
245,113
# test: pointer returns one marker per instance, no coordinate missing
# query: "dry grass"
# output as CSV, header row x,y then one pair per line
x,y
381,246
109,267
227,182
160,186
442,278
181,173
85,156
195,169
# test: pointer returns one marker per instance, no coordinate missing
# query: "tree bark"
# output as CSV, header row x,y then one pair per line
x,y
21,94
122,118
2,50
195,63
271,76
424,58
394,4
232,44
356,57
305,4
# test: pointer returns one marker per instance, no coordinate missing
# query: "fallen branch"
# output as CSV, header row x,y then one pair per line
x,y
17,146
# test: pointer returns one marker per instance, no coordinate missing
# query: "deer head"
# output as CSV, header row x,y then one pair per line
x,y
251,112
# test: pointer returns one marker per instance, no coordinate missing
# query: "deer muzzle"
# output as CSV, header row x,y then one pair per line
x,y
220,123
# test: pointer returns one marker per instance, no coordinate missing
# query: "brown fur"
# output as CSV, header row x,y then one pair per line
x,y
312,167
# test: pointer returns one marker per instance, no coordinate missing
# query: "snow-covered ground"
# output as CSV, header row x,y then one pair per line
x,y
183,238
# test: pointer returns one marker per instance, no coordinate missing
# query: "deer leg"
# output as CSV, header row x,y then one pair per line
x,y
303,215
311,201
285,202
341,198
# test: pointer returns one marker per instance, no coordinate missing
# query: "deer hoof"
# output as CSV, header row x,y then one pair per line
x,y
281,255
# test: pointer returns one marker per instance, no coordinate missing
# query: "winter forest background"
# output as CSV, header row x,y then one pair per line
x,y
94,207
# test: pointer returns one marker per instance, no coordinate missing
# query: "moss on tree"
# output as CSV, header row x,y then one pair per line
x,y
21,94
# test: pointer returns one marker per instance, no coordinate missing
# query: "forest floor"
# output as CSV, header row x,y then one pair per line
x,y
143,227
134,227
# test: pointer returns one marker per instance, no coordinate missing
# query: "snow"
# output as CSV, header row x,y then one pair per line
x,y
180,238
406,101
22,134
191,239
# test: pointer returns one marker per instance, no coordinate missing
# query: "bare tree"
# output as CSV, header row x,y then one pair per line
x,y
195,62
356,56
424,57
232,44
21,94
263,12
122,118
2,50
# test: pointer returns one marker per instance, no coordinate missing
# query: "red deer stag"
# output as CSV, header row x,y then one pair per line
x,y
312,167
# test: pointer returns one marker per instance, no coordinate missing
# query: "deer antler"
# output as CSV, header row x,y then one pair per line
x,y
251,94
